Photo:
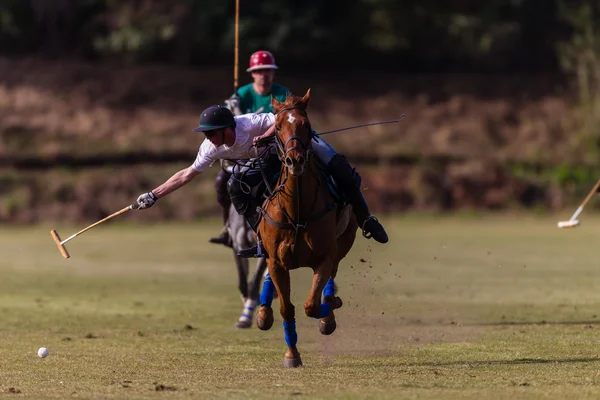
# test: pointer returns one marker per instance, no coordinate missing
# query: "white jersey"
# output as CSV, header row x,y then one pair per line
x,y
248,126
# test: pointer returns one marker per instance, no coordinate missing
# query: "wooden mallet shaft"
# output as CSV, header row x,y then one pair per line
x,y
236,46
61,243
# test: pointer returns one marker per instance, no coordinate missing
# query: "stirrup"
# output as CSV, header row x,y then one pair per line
x,y
256,251
253,252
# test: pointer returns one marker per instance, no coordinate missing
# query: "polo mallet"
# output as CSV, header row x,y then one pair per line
x,y
573,222
394,121
61,243
236,46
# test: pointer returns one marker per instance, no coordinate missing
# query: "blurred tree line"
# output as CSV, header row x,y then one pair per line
x,y
407,35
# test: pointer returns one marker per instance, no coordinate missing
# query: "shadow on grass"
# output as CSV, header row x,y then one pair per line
x,y
482,363
518,361
529,323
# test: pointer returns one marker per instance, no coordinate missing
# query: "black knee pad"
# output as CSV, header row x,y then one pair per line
x,y
240,198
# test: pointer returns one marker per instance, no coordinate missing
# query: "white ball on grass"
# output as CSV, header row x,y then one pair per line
x,y
43,352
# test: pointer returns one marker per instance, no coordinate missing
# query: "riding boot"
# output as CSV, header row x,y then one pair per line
x,y
253,217
370,225
349,182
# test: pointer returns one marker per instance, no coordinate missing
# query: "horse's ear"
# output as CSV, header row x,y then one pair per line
x,y
275,103
306,99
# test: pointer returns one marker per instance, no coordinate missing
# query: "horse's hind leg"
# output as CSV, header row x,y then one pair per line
x,y
323,283
327,325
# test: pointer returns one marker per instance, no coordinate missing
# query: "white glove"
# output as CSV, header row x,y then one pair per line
x,y
146,200
233,103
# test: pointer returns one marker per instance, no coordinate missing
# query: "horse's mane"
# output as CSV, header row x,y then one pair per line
x,y
291,100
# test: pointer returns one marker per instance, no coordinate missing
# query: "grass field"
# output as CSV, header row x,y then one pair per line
x,y
470,307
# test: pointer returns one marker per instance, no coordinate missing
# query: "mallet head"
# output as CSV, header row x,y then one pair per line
x,y
569,224
61,247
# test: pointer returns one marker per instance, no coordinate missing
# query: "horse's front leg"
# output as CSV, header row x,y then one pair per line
x,y
281,279
242,267
245,320
253,295
254,284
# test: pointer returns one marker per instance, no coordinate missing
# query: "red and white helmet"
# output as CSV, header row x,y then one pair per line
x,y
261,59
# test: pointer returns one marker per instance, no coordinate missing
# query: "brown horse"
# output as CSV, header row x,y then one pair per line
x,y
301,227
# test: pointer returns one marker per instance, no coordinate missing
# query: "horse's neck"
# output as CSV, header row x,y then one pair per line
x,y
302,191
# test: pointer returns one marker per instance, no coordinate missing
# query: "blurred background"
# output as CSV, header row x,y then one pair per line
x,y
98,99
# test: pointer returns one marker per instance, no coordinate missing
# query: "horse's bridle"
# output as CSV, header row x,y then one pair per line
x,y
303,148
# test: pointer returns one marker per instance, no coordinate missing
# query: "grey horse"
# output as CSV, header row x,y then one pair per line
x,y
242,237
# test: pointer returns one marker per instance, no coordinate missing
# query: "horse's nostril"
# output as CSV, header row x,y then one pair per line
x,y
301,160
289,162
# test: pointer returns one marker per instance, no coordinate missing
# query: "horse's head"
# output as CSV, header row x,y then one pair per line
x,y
293,131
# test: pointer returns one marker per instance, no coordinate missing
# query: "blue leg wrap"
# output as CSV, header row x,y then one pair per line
x,y
325,310
291,337
266,296
329,288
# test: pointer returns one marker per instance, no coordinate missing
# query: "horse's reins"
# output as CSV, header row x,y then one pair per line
x,y
253,163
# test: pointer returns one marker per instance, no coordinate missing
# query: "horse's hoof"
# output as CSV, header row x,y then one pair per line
x,y
292,362
327,327
245,324
264,318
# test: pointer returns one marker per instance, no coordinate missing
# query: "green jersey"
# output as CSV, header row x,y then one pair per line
x,y
251,102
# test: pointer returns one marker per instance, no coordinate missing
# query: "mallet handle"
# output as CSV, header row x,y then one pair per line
x,y
236,46
588,197
98,223
361,126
